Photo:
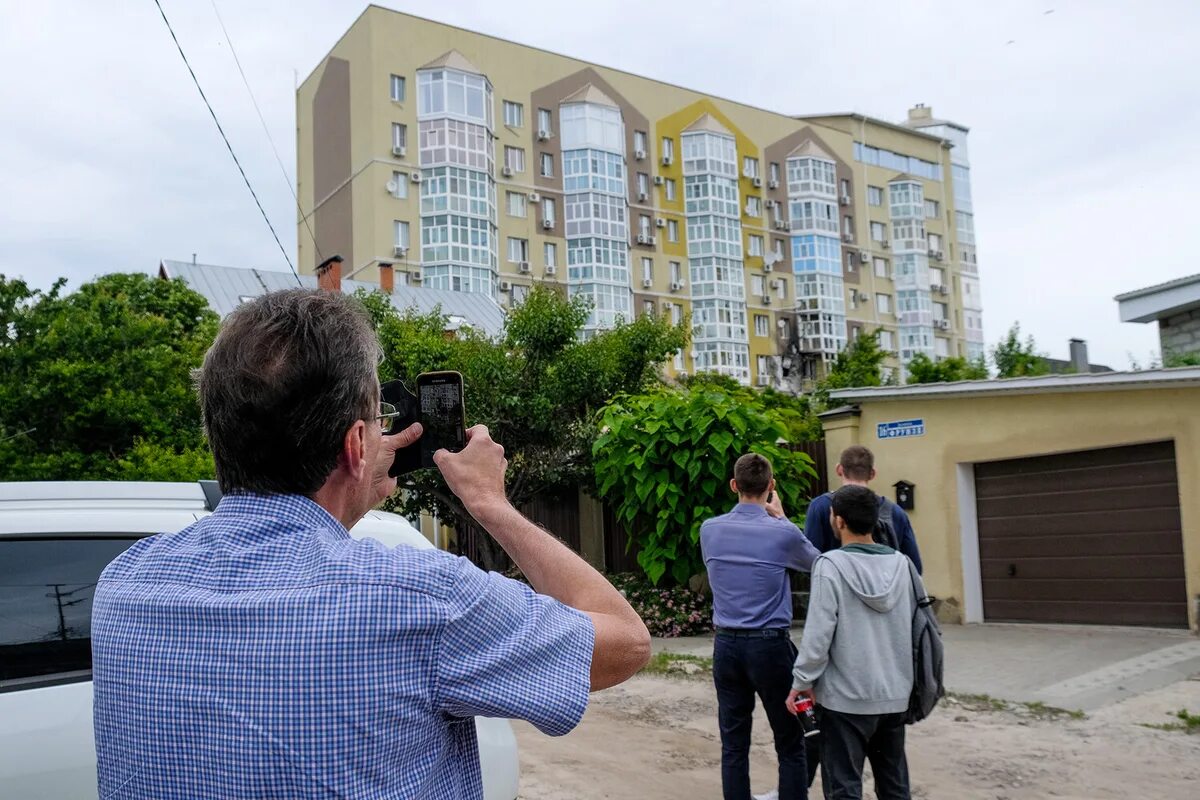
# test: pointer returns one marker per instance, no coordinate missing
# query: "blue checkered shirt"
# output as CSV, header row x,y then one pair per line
x,y
262,652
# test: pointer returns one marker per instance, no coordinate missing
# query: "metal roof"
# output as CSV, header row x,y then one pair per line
x,y
1177,378
228,287
1160,300
874,120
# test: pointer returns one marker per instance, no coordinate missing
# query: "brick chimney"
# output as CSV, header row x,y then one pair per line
x,y
1079,356
387,278
329,274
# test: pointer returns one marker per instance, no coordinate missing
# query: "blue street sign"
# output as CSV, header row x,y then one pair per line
x,y
900,429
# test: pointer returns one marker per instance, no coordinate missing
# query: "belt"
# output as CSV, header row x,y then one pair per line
x,y
755,633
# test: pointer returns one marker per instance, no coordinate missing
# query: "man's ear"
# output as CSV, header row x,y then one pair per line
x,y
872,475
733,486
354,450
838,470
771,486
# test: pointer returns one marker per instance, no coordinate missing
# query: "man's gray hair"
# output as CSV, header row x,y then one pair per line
x,y
288,375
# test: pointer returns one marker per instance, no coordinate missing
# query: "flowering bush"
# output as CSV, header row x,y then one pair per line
x,y
667,612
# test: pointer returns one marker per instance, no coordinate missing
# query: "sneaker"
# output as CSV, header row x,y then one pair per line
x,y
771,795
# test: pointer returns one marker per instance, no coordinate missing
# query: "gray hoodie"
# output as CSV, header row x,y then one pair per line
x,y
857,643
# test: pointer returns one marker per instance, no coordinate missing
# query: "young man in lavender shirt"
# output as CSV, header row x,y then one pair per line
x,y
748,553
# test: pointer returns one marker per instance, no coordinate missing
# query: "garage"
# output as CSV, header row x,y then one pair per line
x,y
1085,537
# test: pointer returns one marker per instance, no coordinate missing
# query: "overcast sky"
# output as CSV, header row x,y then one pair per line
x,y
1083,124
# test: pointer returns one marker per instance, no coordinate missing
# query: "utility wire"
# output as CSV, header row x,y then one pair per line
x,y
228,146
286,178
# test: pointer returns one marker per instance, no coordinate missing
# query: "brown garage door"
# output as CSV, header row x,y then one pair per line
x,y
1088,537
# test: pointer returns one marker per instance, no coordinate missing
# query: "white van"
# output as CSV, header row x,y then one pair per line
x,y
55,538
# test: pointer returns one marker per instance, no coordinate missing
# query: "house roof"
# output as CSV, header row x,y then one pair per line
x,y
1160,300
707,122
875,121
589,93
1180,377
453,59
227,287
810,148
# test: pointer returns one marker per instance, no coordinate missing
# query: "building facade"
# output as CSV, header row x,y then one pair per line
x,y
473,164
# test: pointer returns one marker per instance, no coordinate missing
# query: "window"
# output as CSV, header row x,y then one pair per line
x,y
935,241
398,88
755,247
46,588
762,325
550,254
750,167
514,158
883,303
643,184
518,250
643,225
676,274
941,311
549,211
754,206
400,182
881,267
669,186
941,347
845,186
399,135
774,173
545,121
639,141
937,276
668,149
874,196
931,209
887,341
848,226
516,202
672,230
647,307
757,285
780,288
647,269
878,232
547,166
514,114
879,157
519,293
400,233
777,247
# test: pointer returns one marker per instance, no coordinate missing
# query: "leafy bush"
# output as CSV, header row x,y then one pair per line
x,y
667,612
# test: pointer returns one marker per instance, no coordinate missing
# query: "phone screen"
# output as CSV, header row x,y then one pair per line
x,y
440,398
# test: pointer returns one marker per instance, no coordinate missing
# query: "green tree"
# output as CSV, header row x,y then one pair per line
x,y
102,377
923,369
1181,360
537,387
857,365
797,412
1015,358
664,458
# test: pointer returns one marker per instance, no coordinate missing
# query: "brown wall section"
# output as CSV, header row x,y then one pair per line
x,y
333,219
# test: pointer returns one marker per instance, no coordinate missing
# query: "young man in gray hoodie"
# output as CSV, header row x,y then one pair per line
x,y
856,653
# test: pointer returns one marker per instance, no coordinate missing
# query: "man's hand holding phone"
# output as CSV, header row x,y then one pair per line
x,y
775,504
476,473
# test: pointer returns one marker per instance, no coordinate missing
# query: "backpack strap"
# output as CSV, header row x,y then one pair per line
x,y
920,596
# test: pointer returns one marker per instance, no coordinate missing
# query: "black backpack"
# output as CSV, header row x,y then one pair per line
x,y
885,530
927,655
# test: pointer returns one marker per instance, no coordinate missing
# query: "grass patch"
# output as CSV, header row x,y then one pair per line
x,y
1035,709
1187,723
678,664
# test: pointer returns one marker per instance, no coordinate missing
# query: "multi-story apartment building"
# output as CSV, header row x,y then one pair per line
x,y
474,164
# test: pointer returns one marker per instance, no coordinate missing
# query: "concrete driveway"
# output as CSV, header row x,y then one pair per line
x,y
1067,666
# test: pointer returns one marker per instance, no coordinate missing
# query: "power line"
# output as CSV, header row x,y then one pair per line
x,y
228,146
286,178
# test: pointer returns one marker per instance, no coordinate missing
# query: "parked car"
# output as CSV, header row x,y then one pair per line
x,y
55,538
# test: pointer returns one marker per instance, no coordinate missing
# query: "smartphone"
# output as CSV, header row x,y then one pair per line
x,y
442,413
770,497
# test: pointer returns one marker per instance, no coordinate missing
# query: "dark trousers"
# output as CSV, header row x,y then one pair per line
x,y
743,667
848,739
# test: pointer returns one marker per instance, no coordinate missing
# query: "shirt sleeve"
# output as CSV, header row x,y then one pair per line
x,y
819,625
906,538
816,524
801,553
510,652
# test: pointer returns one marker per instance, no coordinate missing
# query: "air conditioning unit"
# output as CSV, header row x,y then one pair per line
x,y
639,154
392,186
845,199
645,238
507,172
675,287
667,161
764,380
682,374
939,255
399,252
642,197
415,177
884,244
659,222
942,324
548,224
772,184
848,237
943,289
414,277
772,204
864,257
399,151
505,286
543,135
659,180
534,197
647,283
776,284
768,267
551,269
781,224
524,267
932,253
766,299
757,183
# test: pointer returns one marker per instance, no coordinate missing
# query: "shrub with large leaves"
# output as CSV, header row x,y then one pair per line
x,y
663,460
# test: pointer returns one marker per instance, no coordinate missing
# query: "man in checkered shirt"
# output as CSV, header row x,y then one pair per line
x,y
262,652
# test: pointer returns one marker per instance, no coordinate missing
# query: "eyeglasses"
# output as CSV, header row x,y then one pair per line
x,y
388,417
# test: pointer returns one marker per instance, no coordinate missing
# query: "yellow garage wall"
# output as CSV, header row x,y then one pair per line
x,y
966,430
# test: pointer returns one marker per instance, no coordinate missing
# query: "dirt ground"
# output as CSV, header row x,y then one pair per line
x,y
656,737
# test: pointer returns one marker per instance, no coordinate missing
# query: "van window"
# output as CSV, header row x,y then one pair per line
x,y
46,587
